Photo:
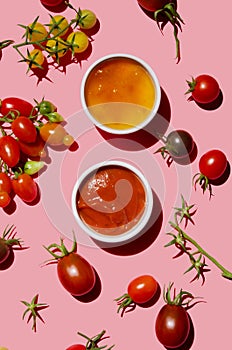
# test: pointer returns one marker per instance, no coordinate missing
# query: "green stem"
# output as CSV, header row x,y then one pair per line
x,y
225,273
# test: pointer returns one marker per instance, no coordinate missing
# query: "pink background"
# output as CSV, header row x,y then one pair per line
x,y
123,28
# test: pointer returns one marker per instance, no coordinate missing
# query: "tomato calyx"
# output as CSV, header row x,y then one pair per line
x,y
168,13
92,343
8,237
183,298
125,304
204,183
5,43
33,308
59,251
192,84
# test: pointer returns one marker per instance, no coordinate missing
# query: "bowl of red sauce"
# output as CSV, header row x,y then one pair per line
x,y
112,202
120,93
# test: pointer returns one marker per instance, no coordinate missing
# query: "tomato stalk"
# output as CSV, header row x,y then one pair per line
x,y
92,343
33,309
5,43
9,239
125,301
197,258
63,251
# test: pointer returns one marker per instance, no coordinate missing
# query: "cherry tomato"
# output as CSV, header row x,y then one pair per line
x,y
25,187
86,19
153,5
58,25
172,326
24,129
52,2
213,164
17,106
9,150
35,149
179,143
76,347
36,32
35,59
53,133
57,47
204,88
142,289
76,274
5,183
78,41
46,107
4,199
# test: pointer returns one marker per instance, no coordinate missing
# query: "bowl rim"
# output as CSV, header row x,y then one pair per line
x,y
155,107
136,229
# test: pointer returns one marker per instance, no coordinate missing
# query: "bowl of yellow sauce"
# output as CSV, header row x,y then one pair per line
x,y
120,93
112,202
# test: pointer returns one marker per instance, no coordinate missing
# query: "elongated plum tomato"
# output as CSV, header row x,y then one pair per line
x,y
5,183
17,106
152,5
213,164
25,187
35,149
76,347
24,129
53,133
5,199
9,150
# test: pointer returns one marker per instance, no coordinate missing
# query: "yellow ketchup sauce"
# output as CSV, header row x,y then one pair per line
x,y
111,201
120,93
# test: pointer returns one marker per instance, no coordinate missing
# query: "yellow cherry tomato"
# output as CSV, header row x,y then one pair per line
x,y
35,58
86,19
78,41
56,47
58,25
36,32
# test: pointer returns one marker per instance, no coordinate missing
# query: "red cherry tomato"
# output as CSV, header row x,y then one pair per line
x,y
142,289
16,105
35,149
9,150
204,89
75,274
4,199
53,133
5,183
153,5
213,164
172,326
24,129
25,187
76,347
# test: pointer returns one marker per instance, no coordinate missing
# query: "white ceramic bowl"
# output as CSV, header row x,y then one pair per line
x,y
150,113
133,232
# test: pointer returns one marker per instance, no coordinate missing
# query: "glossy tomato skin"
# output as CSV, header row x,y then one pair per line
x,y
172,326
24,129
142,289
5,183
206,89
25,187
35,149
152,5
179,143
76,274
76,347
9,150
5,199
15,104
213,164
52,2
53,133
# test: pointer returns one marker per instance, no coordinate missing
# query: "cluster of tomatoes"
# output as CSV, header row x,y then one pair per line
x,y
26,131
57,38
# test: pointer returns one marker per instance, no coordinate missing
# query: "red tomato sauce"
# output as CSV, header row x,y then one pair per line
x,y
112,200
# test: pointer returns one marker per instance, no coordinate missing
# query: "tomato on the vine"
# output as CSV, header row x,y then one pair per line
x,y
204,88
53,133
24,129
58,25
35,149
35,59
139,291
78,41
152,5
172,324
46,107
36,31
25,187
86,19
5,199
9,150
5,183
57,47
74,272
17,106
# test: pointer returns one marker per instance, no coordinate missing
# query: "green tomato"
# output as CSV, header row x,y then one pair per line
x,y
86,19
32,167
55,117
46,107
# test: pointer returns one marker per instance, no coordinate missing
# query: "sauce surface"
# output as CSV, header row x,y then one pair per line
x,y
120,93
111,201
